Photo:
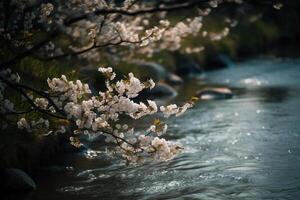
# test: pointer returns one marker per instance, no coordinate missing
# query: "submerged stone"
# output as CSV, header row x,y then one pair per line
x,y
215,93
173,79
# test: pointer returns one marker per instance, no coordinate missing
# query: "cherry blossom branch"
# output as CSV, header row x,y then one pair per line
x,y
73,19
117,138
87,114
19,88
97,46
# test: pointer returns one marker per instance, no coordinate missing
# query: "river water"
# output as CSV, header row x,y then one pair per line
x,y
246,147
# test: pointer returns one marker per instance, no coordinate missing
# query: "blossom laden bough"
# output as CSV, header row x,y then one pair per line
x,y
92,26
100,114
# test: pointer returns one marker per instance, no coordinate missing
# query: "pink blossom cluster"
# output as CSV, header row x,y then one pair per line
x,y
99,114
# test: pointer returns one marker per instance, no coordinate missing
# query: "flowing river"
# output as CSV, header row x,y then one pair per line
x,y
247,147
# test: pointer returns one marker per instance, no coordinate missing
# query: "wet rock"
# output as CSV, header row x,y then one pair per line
x,y
152,70
187,67
215,93
173,79
218,62
162,90
17,180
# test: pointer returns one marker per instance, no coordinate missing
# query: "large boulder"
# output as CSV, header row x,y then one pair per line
x,y
162,90
187,67
16,180
220,61
152,70
216,93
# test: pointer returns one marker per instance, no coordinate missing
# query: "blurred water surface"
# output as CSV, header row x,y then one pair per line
x,y
242,148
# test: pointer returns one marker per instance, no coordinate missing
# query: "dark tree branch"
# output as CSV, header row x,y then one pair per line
x,y
20,88
97,46
181,6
